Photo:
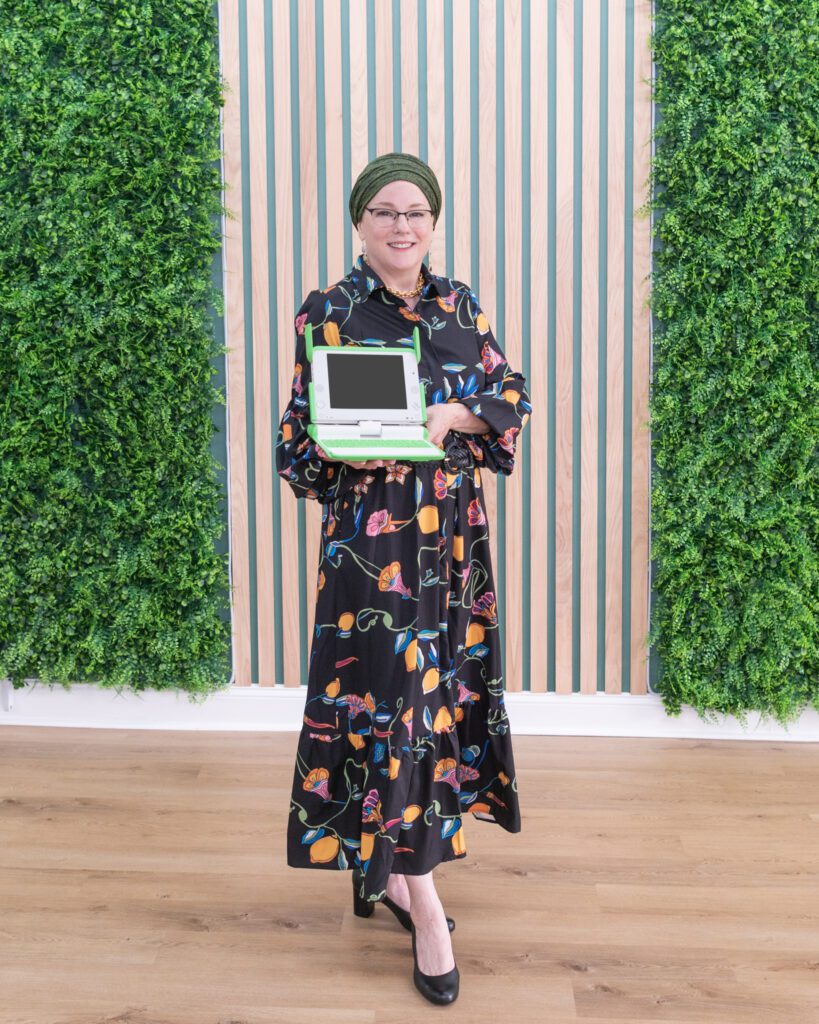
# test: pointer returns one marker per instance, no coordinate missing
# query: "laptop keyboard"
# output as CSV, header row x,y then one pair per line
x,y
367,442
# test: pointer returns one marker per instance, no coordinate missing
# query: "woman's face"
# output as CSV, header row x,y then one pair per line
x,y
396,248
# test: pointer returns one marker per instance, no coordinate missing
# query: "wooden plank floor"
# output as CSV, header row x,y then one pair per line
x,y
143,881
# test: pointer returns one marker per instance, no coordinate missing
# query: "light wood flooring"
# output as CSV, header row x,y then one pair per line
x,y
143,881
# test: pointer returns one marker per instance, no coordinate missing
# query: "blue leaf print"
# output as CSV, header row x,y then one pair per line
x,y
470,386
378,754
450,827
312,835
427,719
454,367
328,306
447,388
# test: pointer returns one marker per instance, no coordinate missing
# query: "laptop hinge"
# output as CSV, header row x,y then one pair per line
x,y
370,428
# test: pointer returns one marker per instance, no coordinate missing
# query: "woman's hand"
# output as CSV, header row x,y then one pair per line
x,y
440,417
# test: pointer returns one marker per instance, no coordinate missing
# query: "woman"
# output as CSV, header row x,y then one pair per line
x,y
405,728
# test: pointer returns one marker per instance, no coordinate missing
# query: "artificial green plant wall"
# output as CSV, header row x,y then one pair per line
x,y
735,391
109,207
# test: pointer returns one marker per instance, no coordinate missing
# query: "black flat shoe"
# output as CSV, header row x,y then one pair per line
x,y
365,908
437,988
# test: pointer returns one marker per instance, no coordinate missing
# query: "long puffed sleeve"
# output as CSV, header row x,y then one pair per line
x,y
503,403
297,458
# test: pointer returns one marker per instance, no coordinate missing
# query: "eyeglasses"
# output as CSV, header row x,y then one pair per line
x,y
415,218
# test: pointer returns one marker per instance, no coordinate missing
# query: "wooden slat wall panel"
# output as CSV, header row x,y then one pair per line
x,y
289,235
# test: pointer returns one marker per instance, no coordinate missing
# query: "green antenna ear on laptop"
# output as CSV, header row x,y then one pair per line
x,y
416,340
308,340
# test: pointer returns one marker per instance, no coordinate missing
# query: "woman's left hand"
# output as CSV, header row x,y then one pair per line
x,y
439,421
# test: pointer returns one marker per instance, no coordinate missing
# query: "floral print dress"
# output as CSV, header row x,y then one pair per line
x,y
405,729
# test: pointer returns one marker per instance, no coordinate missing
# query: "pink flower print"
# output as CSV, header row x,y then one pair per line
x,y
475,513
300,322
485,605
371,807
397,472
297,385
439,483
490,358
507,440
467,571
381,521
476,449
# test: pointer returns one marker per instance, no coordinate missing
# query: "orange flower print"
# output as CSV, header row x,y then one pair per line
x,y
475,514
447,304
390,580
446,771
408,313
297,385
317,780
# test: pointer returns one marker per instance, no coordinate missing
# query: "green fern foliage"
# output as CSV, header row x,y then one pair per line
x,y
735,390
110,198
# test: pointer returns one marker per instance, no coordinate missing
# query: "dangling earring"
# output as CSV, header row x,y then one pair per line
x,y
363,249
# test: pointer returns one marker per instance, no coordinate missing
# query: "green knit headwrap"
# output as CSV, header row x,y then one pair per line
x,y
394,167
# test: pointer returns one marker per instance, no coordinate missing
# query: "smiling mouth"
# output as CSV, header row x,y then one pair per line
x,y
400,245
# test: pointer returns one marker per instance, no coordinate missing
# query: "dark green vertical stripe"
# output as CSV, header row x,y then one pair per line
x,y
628,291
272,308
577,335
526,326
396,76
371,86
500,244
551,331
422,80
449,127
295,170
321,148
247,295
602,344
346,163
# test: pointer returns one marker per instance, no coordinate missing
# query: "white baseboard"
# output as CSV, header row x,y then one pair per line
x,y
280,709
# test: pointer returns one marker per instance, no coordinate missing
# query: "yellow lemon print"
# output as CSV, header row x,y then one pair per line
x,y
331,335
458,547
475,634
430,680
367,840
331,689
428,519
411,656
411,813
458,841
324,850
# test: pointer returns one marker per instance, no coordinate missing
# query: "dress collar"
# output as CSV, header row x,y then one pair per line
x,y
365,281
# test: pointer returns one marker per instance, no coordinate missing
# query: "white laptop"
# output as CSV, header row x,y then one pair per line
x,y
368,403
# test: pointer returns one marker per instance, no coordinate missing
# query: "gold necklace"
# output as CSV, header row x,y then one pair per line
x,y
419,287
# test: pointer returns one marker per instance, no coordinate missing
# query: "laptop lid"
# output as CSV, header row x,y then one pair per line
x,y
351,384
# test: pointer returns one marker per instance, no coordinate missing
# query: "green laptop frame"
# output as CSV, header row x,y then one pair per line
x,y
312,428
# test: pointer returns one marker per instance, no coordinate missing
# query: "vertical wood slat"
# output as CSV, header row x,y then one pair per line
x,y
510,547
563,371
590,284
261,344
614,337
285,315
470,156
538,426
234,341
641,368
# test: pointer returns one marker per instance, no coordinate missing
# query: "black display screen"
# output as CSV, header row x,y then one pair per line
x,y
366,381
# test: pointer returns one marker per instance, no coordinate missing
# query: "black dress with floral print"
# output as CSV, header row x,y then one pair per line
x,y
405,728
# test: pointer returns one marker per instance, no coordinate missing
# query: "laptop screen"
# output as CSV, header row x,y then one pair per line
x,y
366,381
